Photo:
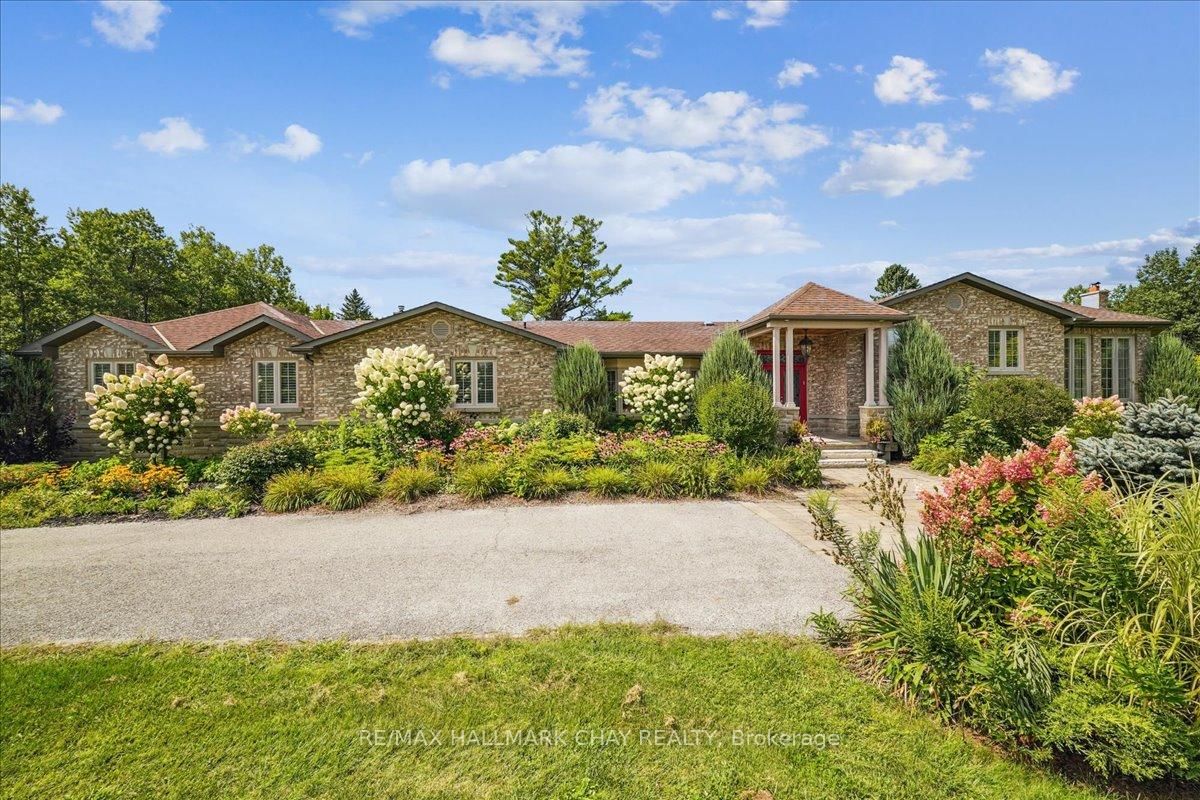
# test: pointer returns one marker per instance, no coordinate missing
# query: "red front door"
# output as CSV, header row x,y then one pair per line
x,y
800,370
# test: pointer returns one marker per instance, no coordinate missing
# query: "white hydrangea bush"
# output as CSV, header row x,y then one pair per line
x,y
661,391
148,412
405,389
250,422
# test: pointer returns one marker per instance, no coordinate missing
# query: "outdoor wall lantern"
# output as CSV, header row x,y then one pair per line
x,y
805,348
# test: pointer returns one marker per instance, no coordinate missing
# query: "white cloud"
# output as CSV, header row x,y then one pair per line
x,y
766,13
704,239
888,223
360,159
298,144
909,80
979,102
722,14
647,45
520,39
794,72
37,112
1184,237
442,80
729,124
590,179
662,6
130,24
1027,77
920,156
175,136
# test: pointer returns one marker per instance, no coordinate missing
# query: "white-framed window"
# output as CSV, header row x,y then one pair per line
x,y
475,382
275,384
1078,366
1116,367
118,368
1006,350
615,402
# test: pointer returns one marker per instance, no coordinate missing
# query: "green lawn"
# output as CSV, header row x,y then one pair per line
x,y
273,720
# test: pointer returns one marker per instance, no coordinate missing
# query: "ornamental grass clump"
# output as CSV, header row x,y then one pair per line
x,y
250,422
547,482
407,484
292,491
345,488
661,391
480,480
657,479
755,479
404,389
148,412
606,481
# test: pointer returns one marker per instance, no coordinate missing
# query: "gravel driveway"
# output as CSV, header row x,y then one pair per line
x,y
713,567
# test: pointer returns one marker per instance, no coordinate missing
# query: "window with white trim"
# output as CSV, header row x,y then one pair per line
x,y
1077,366
475,382
1005,350
118,368
276,384
614,391
1116,367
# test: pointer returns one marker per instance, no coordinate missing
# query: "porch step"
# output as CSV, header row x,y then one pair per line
x,y
849,463
846,455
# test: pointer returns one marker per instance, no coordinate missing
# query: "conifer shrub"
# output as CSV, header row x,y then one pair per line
x,y
581,383
729,357
1170,369
924,387
1155,440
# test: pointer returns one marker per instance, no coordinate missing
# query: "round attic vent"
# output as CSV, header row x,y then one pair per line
x,y
955,302
440,329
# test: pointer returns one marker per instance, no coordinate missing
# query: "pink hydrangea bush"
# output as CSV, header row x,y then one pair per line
x,y
1095,417
994,514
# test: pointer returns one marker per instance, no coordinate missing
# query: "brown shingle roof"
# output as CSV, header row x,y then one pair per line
x,y
144,329
1109,315
185,333
630,337
816,301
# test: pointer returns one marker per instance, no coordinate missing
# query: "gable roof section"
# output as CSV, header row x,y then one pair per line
x,y
141,332
1069,313
317,343
630,338
813,301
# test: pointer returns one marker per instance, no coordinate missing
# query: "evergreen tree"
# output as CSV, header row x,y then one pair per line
x,y
1170,369
581,383
729,356
354,307
555,273
924,387
895,280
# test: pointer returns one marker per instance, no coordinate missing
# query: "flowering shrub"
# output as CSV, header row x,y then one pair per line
x,y
404,389
149,412
1095,417
250,422
992,512
155,480
660,391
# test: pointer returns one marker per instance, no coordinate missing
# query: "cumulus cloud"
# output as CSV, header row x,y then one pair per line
x,y
920,156
519,39
979,102
909,80
705,239
1183,236
130,24
590,179
728,124
794,72
647,45
1026,77
766,13
37,112
174,137
298,144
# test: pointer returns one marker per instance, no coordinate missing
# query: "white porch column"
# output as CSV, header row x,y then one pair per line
x,y
870,367
775,366
790,400
883,364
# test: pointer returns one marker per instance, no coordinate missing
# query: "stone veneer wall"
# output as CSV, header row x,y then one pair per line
x,y
966,330
523,366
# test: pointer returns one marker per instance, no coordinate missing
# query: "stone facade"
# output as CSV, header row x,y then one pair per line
x,y
523,365
965,328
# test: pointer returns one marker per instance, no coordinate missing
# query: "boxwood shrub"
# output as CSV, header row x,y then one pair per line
x,y
250,466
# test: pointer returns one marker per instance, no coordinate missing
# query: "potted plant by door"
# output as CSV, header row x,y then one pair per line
x,y
879,433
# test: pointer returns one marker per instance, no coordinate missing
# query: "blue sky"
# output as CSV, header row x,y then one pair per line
x,y
734,150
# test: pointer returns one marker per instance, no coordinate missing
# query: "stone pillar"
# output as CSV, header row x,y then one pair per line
x,y
883,364
775,367
790,400
870,366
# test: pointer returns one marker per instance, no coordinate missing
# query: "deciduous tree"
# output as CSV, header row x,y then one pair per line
x,y
1167,288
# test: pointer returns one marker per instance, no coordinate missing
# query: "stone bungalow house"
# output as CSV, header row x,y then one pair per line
x,y
834,343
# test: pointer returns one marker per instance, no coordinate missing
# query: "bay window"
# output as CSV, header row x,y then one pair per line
x,y
275,384
475,382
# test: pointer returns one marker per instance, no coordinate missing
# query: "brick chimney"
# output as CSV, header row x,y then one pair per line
x,y
1095,297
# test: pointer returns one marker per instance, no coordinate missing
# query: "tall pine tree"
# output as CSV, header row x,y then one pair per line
x,y
355,307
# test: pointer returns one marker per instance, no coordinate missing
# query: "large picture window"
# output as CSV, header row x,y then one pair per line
x,y
1005,350
1077,366
475,382
275,384
118,368
1116,367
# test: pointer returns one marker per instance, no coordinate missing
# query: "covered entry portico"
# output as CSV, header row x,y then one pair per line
x,y
827,356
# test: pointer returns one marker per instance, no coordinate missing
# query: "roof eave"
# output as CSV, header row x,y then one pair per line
x,y
81,327
986,285
214,345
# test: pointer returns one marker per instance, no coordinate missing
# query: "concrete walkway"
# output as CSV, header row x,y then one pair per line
x,y
712,567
